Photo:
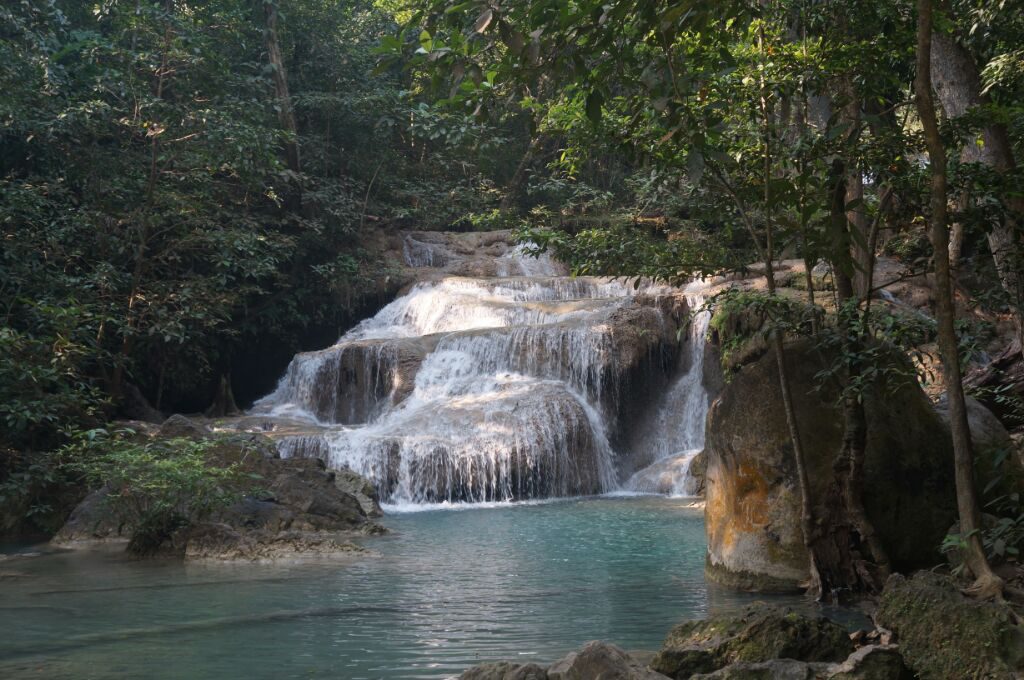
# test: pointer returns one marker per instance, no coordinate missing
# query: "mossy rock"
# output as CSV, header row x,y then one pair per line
x,y
762,633
943,634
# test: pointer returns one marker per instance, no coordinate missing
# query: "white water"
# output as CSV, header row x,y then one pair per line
x,y
677,434
484,390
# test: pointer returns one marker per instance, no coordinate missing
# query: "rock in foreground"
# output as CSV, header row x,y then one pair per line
x,y
763,643
761,634
595,661
943,634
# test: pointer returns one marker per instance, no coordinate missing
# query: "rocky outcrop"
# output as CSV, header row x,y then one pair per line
x,y
296,506
503,670
222,542
943,634
753,500
600,661
762,643
349,383
595,661
759,635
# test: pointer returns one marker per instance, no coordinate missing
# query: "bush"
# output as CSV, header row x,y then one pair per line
x,y
155,487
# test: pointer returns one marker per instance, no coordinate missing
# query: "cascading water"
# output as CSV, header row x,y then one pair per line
x,y
490,388
676,434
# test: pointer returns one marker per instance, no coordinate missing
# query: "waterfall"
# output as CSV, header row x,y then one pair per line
x,y
490,388
676,434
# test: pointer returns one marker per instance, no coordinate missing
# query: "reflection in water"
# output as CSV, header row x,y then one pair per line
x,y
449,589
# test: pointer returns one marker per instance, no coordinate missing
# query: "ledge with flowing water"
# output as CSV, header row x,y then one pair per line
x,y
497,377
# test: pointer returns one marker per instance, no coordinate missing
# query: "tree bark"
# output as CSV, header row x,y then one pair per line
x,y
515,185
986,583
957,82
859,222
285,113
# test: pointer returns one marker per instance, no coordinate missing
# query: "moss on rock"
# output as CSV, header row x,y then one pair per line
x,y
943,634
762,633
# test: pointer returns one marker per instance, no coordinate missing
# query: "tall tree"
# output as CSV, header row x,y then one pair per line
x,y
986,582
957,81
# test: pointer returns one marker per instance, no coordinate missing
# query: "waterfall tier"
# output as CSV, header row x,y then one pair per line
x,y
506,385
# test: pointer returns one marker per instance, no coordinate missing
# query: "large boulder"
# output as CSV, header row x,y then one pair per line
x,y
755,540
874,662
296,506
758,635
943,634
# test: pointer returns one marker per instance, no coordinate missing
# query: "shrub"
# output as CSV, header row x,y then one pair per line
x,y
155,487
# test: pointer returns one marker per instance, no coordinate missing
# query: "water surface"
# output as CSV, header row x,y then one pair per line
x,y
449,588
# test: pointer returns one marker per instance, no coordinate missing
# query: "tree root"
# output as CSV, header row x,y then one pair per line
x,y
986,587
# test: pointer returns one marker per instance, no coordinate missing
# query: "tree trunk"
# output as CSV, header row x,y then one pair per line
x,y
515,185
846,550
777,340
957,82
859,222
987,583
285,113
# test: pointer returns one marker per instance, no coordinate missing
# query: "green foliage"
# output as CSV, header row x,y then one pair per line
x,y
151,230
156,487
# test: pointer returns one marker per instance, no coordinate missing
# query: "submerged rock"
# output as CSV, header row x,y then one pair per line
x,y
759,635
219,541
943,634
755,540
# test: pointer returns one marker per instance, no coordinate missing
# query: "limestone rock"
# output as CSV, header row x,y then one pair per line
x,y
986,430
298,507
943,634
503,670
760,634
182,426
217,541
600,661
753,499
361,489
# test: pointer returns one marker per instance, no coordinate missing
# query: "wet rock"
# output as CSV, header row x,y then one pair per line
x,y
349,383
759,635
753,499
943,634
361,489
182,426
600,661
503,670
